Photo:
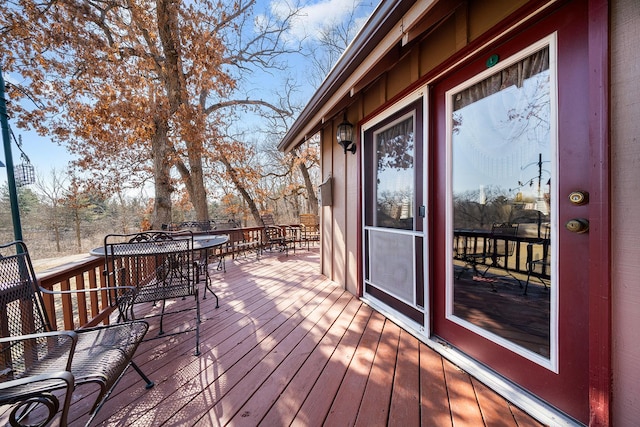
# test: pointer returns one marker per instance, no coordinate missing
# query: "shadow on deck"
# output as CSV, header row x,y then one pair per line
x,y
289,347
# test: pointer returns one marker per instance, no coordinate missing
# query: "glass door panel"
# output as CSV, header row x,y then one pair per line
x,y
395,174
393,232
502,158
394,189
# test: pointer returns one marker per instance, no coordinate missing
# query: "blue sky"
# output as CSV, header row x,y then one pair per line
x,y
46,155
493,150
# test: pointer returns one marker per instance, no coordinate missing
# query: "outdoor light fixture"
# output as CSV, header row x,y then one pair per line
x,y
345,136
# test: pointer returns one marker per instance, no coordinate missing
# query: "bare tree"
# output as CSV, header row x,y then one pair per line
x,y
333,38
53,190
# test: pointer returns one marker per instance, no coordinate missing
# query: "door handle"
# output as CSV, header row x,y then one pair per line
x,y
579,198
577,225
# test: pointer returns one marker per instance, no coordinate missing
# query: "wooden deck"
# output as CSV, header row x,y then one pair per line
x,y
289,347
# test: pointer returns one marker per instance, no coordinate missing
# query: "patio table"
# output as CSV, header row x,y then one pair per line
x,y
201,242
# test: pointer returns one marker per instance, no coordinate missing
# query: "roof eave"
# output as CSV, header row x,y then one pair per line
x,y
385,17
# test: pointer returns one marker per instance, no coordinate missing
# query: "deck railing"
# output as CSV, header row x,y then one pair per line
x,y
67,312
477,243
71,312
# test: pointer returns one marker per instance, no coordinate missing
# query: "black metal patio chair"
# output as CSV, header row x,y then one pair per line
x,y
493,250
157,266
539,259
203,258
241,242
39,366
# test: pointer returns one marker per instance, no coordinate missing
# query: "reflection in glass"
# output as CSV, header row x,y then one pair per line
x,y
502,155
394,175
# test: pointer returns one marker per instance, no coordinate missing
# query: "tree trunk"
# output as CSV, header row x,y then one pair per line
x,y
56,231
175,87
162,178
312,198
198,193
253,208
123,213
193,178
76,219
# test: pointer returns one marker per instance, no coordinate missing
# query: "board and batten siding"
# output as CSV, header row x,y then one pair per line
x,y
405,67
625,210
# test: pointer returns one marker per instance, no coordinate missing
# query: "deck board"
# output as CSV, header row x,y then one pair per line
x,y
289,347
495,410
434,397
465,410
405,400
344,409
316,406
374,408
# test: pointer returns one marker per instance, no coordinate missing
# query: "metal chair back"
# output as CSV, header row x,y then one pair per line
x,y
21,304
157,266
539,259
503,240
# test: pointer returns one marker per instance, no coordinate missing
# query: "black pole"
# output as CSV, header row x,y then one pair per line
x,y
11,179
539,174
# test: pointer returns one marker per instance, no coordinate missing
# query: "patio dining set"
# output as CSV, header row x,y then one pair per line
x,y
40,367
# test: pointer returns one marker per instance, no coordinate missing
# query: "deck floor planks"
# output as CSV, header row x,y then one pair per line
x,y
275,356
295,295
289,402
318,402
270,390
405,400
344,409
264,357
374,409
231,369
288,347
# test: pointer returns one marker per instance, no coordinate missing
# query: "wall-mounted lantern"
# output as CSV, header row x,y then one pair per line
x,y
345,136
